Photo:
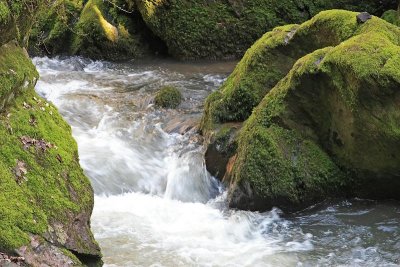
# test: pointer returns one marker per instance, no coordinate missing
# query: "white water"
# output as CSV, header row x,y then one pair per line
x,y
155,203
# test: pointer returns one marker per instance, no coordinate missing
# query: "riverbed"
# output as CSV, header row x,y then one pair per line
x,y
155,202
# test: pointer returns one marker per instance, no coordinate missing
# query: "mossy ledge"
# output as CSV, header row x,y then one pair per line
x,y
310,136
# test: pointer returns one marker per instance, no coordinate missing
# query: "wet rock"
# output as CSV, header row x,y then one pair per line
x,y
11,261
220,149
182,124
41,253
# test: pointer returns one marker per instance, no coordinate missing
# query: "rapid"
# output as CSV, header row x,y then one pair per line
x,y
155,202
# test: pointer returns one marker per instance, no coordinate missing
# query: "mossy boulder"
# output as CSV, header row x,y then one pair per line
x,y
45,195
168,97
392,16
331,125
96,36
269,60
225,29
46,201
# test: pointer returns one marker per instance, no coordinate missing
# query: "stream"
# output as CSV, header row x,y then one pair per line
x,y
156,204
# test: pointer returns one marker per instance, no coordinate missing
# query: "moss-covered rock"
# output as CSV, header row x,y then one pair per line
x,y
44,194
392,16
225,29
97,37
269,60
311,135
53,30
97,29
168,97
46,200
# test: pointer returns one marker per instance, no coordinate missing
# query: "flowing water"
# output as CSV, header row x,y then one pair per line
x,y
155,203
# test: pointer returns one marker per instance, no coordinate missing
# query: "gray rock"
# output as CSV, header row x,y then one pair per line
x,y
363,17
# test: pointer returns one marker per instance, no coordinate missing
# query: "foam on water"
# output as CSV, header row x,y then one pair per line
x,y
155,203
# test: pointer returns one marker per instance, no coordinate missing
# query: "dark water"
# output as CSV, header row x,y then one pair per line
x,y
155,203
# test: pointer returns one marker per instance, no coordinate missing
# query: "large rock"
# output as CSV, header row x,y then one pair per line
x,y
98,29
46,201
269,60
331,125
226,28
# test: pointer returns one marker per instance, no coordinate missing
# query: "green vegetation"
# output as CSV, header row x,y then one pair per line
x,y
43,188
54,28
17,17
225,29
392,16
168,97
4,13
126,29
98,38
41,181
310,136
97,29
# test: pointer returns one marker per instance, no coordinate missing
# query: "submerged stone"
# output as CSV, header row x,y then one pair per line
x,y
168,97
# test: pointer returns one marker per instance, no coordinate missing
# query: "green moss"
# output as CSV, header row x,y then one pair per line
x,y
225,141
225,29
4,12
261,68
168,97
392,16
53,29
311,135
271,58
55,187
98,37
16,72
282,169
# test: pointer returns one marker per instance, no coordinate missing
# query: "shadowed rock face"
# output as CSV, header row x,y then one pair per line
x,y
225,29
185,29
46,201
329,126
